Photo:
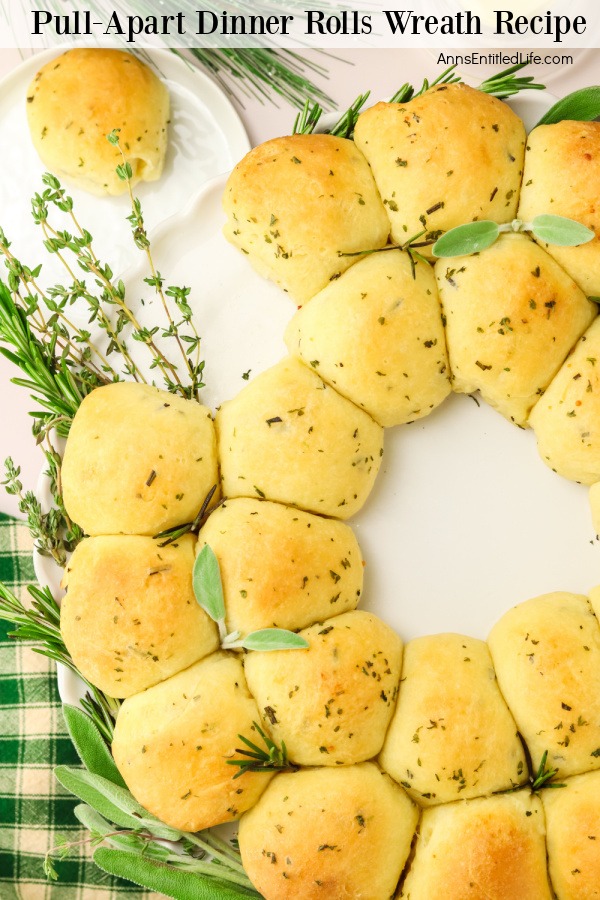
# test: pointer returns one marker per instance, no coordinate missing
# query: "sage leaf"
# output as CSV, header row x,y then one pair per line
x,y
166,879
208,587
100,828
90,745
466,239
273,639
560,231
113,802
580,106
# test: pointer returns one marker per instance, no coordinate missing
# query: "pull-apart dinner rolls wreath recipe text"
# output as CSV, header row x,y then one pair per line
x,y
389,770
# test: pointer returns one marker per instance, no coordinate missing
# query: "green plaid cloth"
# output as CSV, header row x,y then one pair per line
x,y
35,811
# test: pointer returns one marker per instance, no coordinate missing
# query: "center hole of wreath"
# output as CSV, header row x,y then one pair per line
x,y
466,521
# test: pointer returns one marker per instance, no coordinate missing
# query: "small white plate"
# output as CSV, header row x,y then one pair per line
x,y
206,138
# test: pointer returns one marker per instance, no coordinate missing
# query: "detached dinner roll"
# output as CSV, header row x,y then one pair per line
x,y
573,836
77,99
130,618
490,848
562,178
331,703
547,657
446,158
566,421
172,742
378,336
293,204
512,315
280,566
452,736
289,437
324,833
138,460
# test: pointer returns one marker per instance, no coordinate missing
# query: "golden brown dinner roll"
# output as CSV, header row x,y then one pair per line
x,y
573,836
138,460
566,420
77,99
281,566
378,336
326,833
289,437
129,617
452,736
512,315
172,742
487,849
331,703
446,158
547,657
562,178
293,204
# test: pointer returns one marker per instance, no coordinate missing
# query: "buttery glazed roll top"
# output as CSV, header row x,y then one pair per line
x,y
172,743
443,159
138,460
378,337
327,833
77,99
331,703
289,437
547,657
573,836
293,204
566,420
130,618
281,566
488,848
452,736
512,315
562,177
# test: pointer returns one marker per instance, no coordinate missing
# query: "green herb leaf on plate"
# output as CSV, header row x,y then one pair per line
x,y
581,106
90,745
208,586
465,239
560,231
273,639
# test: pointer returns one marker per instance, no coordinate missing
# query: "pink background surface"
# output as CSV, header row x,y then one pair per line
x,y
350,73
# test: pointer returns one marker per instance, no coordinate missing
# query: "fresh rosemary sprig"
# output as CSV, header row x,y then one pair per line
x,y
257,759
544,776
502,85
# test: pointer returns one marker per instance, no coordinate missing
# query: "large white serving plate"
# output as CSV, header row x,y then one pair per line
x,y
465,520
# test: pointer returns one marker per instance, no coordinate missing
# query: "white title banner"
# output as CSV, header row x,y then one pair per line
x,y
515,24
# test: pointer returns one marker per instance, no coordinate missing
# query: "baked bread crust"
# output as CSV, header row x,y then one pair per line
x,y
77,99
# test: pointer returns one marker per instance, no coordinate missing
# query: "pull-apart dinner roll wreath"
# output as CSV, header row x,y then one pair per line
x,y
448,157
562,177
512,315
546,652
573,837
172,743
76,100
331,704
281,566
488,848
326,833
376,335
294,203
452,736
289,437
130,618
138,460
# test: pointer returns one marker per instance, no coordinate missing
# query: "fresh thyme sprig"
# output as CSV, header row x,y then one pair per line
x,y
257,759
